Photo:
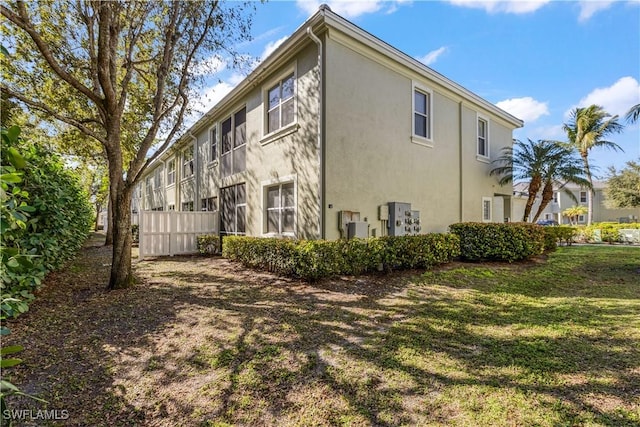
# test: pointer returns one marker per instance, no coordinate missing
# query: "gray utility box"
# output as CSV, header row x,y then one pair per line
x,y
399,218
357,229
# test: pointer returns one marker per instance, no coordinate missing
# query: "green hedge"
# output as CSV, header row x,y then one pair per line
x,y
555,236
609,231
208,244
315,259
498,241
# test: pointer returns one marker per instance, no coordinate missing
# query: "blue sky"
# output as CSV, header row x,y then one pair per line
x,y
535,59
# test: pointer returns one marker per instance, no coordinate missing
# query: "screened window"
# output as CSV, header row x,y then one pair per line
x,y
483,138
187,162
234,140
280,208
281,104
171,172
486,209
233,209
213,144
422,114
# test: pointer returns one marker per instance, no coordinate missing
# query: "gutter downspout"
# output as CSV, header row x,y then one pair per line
x,y
321,231
196,170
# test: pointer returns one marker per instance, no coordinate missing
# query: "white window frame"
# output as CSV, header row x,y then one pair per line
x,y
482,157
488,200
556,196
171,173
157,179
213,154
185,162
419,139
585,197
206,203
231,153
267,135
581,219
265,185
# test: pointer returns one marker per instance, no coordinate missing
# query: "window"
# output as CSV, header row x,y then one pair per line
x,y
187,162
171,172
583,197
422,113
210,204
556,196
187,206
234,209
213,144
234,139
147,186
483,137
548,216
581,218
280,209
157,178
486,209
281,111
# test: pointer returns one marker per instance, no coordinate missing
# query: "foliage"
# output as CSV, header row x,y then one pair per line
x,y
121,73
633,115
588,128
45,216
554,236
623,188
499,242
316,259
574,212
208,244
542,164
609,231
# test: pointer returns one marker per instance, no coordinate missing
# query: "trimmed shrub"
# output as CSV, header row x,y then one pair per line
x,y
208,244
499,242
554,236
315,259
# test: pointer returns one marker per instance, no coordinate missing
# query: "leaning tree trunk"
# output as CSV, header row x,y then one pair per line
x,y
121,274
547,196
534,187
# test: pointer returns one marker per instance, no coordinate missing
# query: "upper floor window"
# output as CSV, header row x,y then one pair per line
x,y
234,139
187,162
583,197
157,179
556,196
422,118
281,111
147,185
483,137
213,144
171,172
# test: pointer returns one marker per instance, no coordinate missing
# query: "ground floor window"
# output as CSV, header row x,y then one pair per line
x,y
486,209
280,209
581,218
187,206
210,204
233,209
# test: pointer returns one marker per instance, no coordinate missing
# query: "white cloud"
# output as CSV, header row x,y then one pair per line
x,y
271,46
432,56
615,99
590,8
527,108
351,8
512,6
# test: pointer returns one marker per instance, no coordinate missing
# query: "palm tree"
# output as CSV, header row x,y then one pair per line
x,y
541,163
587,129
574,212
633,115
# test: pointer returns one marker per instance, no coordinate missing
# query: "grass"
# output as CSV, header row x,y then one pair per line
x,y
203,342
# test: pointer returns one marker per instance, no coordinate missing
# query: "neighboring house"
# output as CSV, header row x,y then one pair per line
x,y
562,201
329,129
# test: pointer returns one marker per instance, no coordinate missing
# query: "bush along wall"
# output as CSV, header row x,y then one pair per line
x,y
316,259
45,218
499,242
555,236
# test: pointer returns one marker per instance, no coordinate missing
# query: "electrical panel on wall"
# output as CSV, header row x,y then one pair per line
x,y
402,220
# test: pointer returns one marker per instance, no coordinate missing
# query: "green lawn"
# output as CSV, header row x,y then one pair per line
x,y
203,342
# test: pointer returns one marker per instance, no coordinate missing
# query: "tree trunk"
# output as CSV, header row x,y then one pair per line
x,y
534,187
108,241
547,196
98,209
587,171
121,274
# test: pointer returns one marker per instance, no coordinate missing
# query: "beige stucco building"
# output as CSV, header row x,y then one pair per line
x,y
329,129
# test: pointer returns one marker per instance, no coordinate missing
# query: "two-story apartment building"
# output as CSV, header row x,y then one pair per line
x,y
562,201
332,127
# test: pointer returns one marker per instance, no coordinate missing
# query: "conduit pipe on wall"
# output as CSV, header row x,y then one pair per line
x,y
320,147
